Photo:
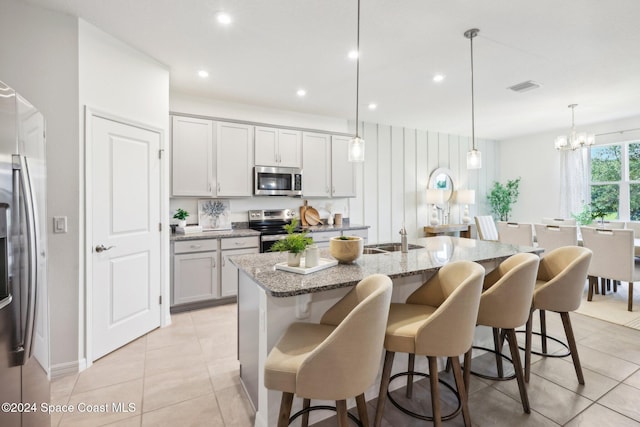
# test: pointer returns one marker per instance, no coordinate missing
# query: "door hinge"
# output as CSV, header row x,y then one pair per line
x,y
159,226
160,153
160,300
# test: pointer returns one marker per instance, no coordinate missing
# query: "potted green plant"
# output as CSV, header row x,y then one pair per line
x,y
181,215
502,197
591,212
294,243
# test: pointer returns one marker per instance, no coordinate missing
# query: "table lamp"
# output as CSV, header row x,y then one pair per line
x,y
435,197
466,198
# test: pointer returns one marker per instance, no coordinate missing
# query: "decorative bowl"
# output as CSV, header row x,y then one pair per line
x,y
346,249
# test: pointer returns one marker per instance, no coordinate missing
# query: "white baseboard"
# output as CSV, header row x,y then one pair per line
x,y
64,369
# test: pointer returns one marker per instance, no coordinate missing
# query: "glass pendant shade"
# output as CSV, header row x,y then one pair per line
x,y
474,159
356,149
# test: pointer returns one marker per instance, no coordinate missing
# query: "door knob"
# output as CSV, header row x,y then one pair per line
x,y
101,248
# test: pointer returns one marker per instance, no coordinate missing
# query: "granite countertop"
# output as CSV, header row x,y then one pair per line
x,y
236,232
437,251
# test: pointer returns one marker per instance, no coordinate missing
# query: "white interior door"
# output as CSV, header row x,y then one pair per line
x,y
125,222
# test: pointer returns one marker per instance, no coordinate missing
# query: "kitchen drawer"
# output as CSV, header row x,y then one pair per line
x,y
203,245
364,233
324,236
240,242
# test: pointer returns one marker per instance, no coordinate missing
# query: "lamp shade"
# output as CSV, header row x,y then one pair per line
x,y
435,196
466,197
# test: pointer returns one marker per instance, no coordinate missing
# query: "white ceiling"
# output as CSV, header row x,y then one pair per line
x,y
582,51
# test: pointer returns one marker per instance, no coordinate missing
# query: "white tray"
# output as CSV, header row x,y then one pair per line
x,y
322,264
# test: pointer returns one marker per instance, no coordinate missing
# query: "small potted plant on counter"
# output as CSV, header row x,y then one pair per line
x,y
181,215
295,243
346,249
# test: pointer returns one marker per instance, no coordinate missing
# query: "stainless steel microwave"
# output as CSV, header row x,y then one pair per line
x,y
275,181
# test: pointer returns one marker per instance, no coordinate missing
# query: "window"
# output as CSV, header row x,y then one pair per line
x,y
615,180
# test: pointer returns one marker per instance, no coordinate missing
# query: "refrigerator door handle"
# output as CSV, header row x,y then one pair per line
x,y
5,291
21,168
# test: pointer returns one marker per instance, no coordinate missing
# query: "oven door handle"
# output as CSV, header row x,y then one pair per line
x,y
273,237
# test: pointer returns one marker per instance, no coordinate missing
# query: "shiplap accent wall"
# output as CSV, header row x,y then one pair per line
x,y
392,181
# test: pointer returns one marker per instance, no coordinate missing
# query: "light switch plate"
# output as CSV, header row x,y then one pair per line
x,y
59,224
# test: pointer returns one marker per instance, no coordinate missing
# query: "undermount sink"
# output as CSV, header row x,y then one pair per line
x,y
381,248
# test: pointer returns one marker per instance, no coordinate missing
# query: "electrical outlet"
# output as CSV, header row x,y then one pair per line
x,y
59,224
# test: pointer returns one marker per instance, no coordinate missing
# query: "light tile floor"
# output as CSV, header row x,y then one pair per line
x,y
187,375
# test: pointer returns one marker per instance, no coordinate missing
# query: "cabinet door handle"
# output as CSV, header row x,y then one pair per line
x,y
195,246
214,263
333,189
218,187
223,262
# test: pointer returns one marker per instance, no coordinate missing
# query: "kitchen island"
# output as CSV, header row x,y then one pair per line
x,y
269,300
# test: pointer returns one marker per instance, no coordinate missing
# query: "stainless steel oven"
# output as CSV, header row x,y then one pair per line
x,y
274,181
270,224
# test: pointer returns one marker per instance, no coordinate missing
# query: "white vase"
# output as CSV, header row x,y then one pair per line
x,y
293,259
182,223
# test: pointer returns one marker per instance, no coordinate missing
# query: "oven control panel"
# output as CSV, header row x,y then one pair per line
x,y
271,215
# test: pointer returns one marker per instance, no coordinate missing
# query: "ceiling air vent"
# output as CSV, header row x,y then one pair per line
x,y
525,86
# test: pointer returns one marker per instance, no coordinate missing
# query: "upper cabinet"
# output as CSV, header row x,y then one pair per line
x,y
234,159
327,170
192,161
278,147
343,173
316,157
211,159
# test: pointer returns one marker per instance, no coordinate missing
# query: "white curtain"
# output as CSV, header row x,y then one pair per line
x,y
574,181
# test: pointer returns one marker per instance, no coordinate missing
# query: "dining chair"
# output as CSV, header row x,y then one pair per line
x,y
613,258
609,225
558,221
550,237
514,233
336,359
486,228
635,226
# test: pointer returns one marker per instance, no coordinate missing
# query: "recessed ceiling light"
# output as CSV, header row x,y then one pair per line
x,y
223,18
353,54
301,92
438,78
203,73
373,106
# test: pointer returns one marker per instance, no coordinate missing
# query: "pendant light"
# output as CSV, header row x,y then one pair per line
x,y
356,144
474,157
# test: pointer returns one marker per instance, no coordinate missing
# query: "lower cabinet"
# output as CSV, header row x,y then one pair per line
x,y
202,272
195,271
321,238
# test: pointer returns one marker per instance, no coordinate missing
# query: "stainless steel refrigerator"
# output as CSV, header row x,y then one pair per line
x,y
24,348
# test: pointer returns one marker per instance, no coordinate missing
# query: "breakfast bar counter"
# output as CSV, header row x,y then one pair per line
x,y
269,300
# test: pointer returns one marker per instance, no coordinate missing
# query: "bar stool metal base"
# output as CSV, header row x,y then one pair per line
x,y
489,377
421,416
326,408
545,354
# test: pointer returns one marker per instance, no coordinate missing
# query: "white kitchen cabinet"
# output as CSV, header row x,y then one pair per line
x,y
229,272
195,271
364,233
321,238
316,158
343,174
278,147
234,160
192,159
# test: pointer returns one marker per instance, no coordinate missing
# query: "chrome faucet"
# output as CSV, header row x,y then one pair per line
x,y
404,246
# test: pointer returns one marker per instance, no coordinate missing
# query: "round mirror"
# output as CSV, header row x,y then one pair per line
x,y
442,179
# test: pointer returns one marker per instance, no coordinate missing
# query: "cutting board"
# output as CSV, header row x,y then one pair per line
x,y
312,216
303,210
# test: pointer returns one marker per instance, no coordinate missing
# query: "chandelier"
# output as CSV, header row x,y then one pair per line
x,y
575,139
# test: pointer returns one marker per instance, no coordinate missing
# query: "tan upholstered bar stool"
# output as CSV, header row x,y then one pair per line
x,y
437,320
559,286
338,358
505,305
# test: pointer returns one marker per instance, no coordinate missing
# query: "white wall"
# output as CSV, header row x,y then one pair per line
x,y
39,51
535,160
392,181
117,79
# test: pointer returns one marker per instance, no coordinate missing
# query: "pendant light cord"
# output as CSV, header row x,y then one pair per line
x,y
473,121
358,69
